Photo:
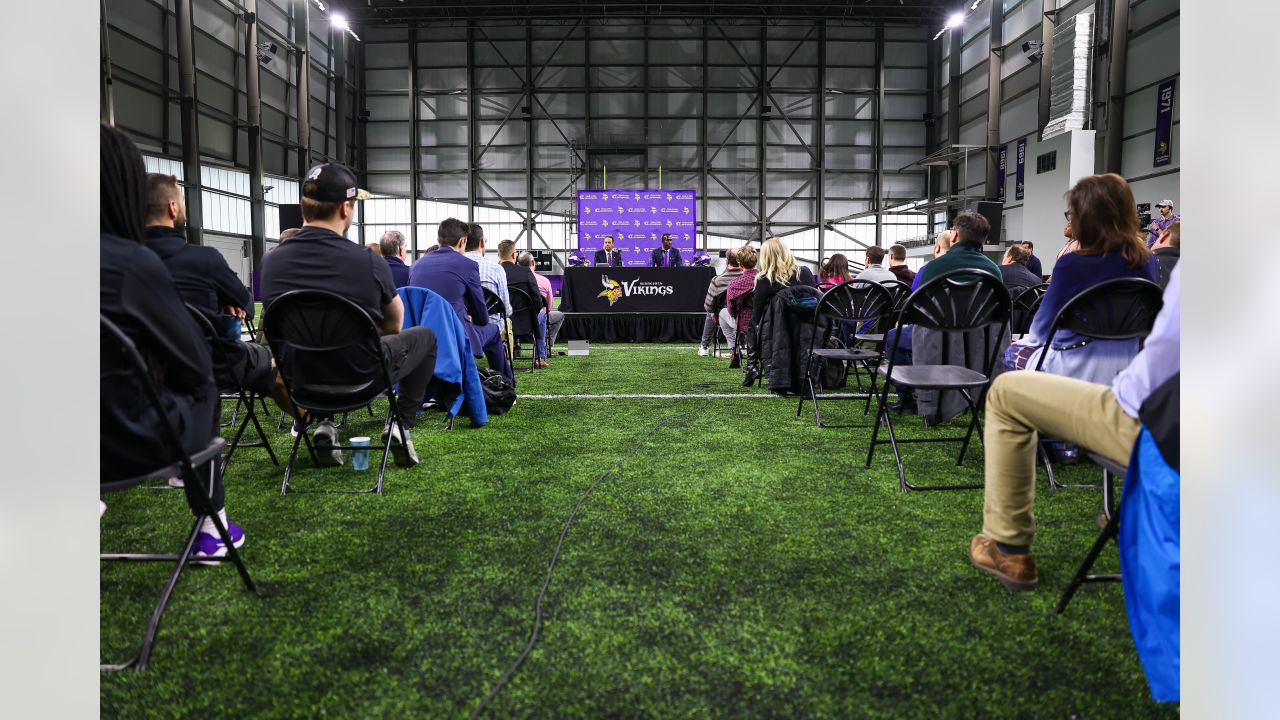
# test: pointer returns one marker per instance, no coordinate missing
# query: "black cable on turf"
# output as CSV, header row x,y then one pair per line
x,y
555,556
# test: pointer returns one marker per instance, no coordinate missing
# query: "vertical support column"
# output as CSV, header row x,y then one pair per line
x,y
361,129
702,138
1048,23
763,126
340,110
956,35
190,128
253,107
415,140
106,98
995,97
471,122
586,109
528,132
1117,60
820,134
879,135
644,111
934,64
302,41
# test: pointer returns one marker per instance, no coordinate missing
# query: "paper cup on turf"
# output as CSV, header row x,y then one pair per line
x,y
360,457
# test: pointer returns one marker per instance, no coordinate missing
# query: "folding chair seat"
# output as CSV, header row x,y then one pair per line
x,y
898,294
1025,305
954,302
246,399
330,355
120,359
855,302
717,304
495,306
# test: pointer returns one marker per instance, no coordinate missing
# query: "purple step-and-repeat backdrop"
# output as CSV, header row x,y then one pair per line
x,y
637,219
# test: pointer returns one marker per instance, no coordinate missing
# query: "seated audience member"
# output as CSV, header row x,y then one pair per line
x,y
876,272
555,318
1033,262
834,271
1167,250
137,293
608,256
898,264
1104,223
206,282
286,234
492,277
393,250
1162,223
969,232
320,257
1103,417
737,311
666,256
941,246
456,278
778,269
520,277
718,285
1071,245
1013,269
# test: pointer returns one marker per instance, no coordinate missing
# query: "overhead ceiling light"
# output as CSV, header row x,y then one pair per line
x,y
956,20
339,22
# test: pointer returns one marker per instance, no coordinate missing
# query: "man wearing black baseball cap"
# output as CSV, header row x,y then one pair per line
x,y
320,257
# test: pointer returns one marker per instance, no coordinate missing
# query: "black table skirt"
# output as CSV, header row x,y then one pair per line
x,y
614,327
635,290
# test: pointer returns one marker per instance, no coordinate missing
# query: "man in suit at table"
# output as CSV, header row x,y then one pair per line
x,y
456,278
665,256
608,256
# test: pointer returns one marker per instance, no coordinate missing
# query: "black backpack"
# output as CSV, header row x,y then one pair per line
x,y
499,391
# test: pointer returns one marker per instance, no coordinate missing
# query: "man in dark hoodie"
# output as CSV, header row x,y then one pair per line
x,y
1167,249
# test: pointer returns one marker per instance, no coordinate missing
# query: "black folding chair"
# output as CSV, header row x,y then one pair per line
x,y
243,398
1110,471
956,301
495,306
1025,305
524,323
717,304
330,356
855,302
874,335
1119,309
120,360
743,336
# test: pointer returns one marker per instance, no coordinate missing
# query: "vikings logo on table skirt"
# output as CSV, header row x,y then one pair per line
x,y
612,290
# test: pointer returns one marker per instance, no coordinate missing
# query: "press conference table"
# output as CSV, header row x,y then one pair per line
x,y
635,289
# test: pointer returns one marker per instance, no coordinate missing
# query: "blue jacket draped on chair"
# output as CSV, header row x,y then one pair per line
x,y
456,380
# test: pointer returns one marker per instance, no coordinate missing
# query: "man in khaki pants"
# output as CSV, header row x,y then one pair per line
x,y
1101,418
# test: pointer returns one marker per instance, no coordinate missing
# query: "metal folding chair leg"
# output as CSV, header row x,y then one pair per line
x,y
1082,575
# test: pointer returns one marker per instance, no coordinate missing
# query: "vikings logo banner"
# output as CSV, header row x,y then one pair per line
x,y
1164,123
637,220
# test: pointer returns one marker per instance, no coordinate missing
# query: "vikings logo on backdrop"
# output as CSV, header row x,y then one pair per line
x,y
612,290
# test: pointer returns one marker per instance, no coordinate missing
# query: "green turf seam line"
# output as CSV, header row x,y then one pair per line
x,y
555,555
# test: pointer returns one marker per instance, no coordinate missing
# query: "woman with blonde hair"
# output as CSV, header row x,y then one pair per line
x,y
778,269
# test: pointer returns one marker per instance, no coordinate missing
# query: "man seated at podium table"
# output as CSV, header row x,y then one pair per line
x,y
608,256
665,256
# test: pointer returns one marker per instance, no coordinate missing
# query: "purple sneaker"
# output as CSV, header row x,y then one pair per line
x,y
208,545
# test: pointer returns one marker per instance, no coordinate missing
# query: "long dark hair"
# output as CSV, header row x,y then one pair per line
x,y
837,267
122,185
1104,218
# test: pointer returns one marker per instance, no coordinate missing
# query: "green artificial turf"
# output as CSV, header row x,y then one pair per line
x,y
737,562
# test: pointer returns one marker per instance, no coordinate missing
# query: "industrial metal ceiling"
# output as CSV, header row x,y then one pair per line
x,y
421,11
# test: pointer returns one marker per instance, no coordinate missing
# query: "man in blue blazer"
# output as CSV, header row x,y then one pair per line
x,y
665,256
456,278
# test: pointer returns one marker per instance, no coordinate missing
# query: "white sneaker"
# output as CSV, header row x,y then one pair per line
x,y
176,482
703,351
323,439
102,508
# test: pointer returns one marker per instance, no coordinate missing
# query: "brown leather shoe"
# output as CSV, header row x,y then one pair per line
x,y
1016,572
540,364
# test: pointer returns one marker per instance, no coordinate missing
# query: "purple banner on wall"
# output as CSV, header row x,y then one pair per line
x,y
1020,175
1002,163
1164,123
637,220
